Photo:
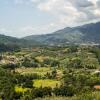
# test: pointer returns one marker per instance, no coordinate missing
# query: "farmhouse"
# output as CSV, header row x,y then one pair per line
x,y
97,87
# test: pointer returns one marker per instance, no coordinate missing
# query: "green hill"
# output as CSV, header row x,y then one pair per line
x,y
89,33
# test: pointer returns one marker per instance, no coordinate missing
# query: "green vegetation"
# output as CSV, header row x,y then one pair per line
x,y
46,83
62,73
40,71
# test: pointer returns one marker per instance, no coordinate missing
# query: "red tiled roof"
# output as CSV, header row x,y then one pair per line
x,y
97,86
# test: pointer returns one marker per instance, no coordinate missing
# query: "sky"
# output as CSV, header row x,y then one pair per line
x,y
21,18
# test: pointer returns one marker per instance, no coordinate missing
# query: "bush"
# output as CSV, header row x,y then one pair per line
x,y
64,91
41,92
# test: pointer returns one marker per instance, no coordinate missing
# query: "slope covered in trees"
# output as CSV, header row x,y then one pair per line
x,y
89,33
68,73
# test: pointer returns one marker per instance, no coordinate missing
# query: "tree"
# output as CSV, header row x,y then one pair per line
x,y
75,63
64,91
41,92
6,85
54,74
1,57
28,84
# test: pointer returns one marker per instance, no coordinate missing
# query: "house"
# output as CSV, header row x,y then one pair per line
x,y
97,87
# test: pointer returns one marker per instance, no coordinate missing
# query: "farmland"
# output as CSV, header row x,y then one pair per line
x,y
46,83
62,73
40,71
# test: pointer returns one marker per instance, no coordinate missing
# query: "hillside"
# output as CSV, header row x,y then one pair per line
x,y
16,41
89,33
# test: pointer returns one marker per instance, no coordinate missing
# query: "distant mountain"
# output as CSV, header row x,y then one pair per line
x,y
89,33
8,40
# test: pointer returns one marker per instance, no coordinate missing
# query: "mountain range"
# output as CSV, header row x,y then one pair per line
x,y
8,40
88,33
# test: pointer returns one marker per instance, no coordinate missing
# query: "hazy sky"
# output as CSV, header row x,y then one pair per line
x,y
26,17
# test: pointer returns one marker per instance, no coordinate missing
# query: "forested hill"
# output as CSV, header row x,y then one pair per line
x,y
89,33
8,40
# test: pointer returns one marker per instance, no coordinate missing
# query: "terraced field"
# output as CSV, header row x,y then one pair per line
x,y
46,83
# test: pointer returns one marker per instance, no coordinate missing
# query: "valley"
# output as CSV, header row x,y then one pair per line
x,y
49,49
57,72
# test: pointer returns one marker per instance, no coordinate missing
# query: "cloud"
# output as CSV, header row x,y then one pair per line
x,y
65,12
4,30
72,11
31,30
35,1
81,3
19,1
26,1
68,11
28,30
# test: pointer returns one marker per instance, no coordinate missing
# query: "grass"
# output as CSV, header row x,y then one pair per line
x,y
57,98
86,96
40,71
19,89
41,58
37,84
46,83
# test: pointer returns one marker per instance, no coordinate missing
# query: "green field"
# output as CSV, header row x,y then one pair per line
x,y
64,73
40,71
38,84
46,83
19,89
